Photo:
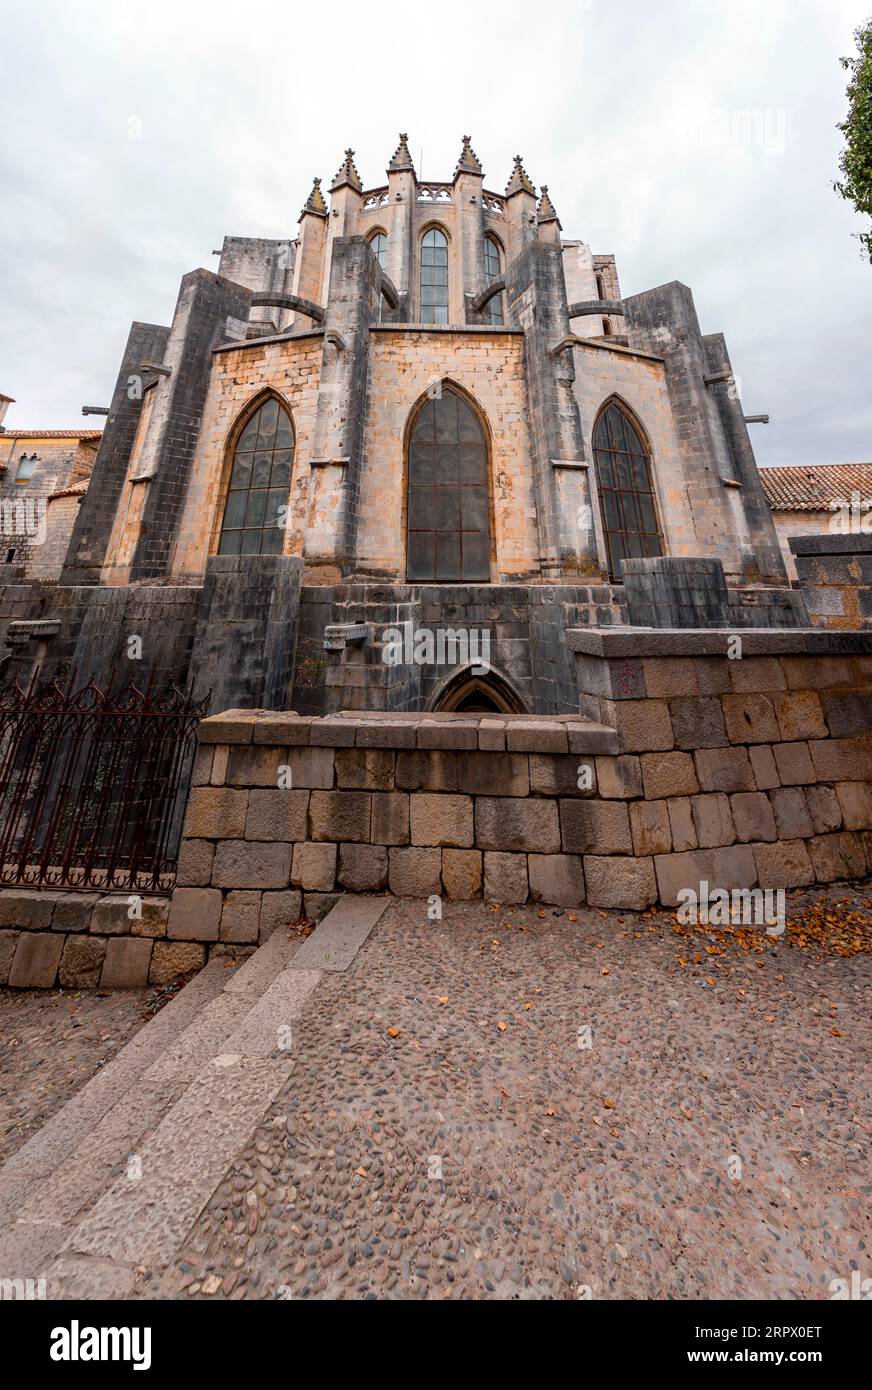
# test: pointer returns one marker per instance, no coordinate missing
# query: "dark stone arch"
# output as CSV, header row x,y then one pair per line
x,y
475,692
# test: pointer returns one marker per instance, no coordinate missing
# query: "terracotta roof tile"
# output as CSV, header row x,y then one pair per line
x,y
807,488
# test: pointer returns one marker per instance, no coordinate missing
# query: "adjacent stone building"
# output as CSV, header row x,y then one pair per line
x,y
814,499
427,409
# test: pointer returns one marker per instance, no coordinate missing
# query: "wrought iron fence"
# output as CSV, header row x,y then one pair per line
x,y
93,785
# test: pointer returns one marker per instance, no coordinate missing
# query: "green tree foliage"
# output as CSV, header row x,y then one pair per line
x,y
855,161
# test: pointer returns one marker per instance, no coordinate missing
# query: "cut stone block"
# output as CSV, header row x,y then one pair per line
x,y
595,827
126,963
277,814
513,824
731,867
195,863
27,909
800,715
252,863
497,774
698,723
668,774
837,856
642,725
215,813
681,824
823,808
649,825
461,873
855,799
363,868
72,912
340,816
712,820
791,813
724,770
8,942
277,911
620,883
310,767
441,819
111,915
786,864
794,763
414,872
195,914
36,960
390,818
556,878
81,962
172,958
752,816
618,778
427,771
365,769
256,767
240,917
314,866
505,878
750,718
763,766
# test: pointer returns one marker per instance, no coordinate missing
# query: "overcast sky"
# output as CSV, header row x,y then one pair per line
x,y
696,141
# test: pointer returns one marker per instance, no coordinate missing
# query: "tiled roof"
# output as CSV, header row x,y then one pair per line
x,y
51,434
804,488
74,490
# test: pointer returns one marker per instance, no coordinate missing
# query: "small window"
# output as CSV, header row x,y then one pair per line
x,y
492,268
607,328
600,290
379,244
26,468
10,556
434,277
259,484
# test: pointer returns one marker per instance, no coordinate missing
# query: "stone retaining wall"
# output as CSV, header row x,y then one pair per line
x,y
85,940
691,766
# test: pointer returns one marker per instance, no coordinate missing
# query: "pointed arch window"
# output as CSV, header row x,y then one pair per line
x,y
379,243
448,504
259,485
492,269
629,505
434,277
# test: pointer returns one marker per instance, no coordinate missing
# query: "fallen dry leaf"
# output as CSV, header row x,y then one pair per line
x,y
393,1032
502,1026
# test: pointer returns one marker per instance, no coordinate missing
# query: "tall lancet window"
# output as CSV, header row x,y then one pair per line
x,y
260,482
379,243
492,268
629,507
448,500
434,277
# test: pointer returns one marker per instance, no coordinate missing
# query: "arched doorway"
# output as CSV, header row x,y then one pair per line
x,y
448,502
471,692
627,499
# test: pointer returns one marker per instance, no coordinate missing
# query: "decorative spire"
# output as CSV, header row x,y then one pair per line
x,y
519,182
546,211
315,201
347,174
402,160
469,162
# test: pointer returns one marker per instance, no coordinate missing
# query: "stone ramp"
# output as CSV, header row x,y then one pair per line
x,y
116,1179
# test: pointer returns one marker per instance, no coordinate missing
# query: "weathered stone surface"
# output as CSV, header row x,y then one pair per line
x,y
390,818
649,825
26,908
642,725
512,824
618,778
340,816
216,813
505,878
365,769
314,866
595,827
252,864
81,962
823,808
855,799
73,912
791,813
414,872
535,736
363,868
126,963
712,819
785,864
837,856
110,916
498,774
36,960
752,816
8,942
277,911
240,917
849,713
556,878
841,759
492,735
427,771
763,766
385,733
731,867
800,716
724,770
195,914
201,772
276,814
668,774
755,673
256,767
794,763
681,824
557,774
172,958
153,916
615,882
449,733
670,675
750,718
195,863
310,768
461,873
697,723
441,819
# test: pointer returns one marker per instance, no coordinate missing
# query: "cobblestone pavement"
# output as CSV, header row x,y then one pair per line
x,y
52,1042
448,1132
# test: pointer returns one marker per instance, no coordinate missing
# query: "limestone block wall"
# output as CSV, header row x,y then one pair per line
x,y
835,575
744,773
86,940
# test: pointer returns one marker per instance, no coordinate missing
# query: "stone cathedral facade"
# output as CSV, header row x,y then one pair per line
x,y
428,408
